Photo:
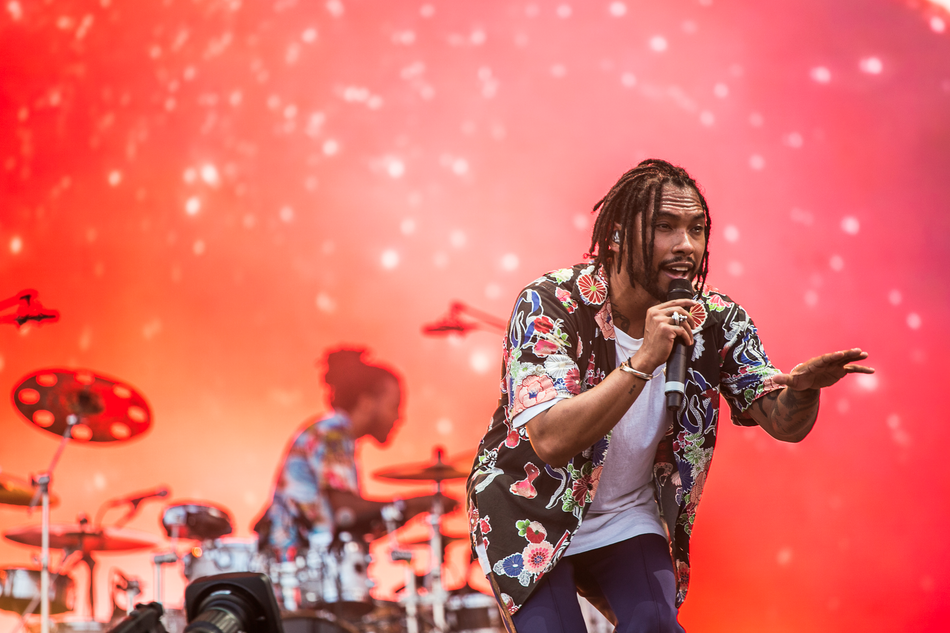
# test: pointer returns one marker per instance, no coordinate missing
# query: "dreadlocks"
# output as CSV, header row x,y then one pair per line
x,y
640,192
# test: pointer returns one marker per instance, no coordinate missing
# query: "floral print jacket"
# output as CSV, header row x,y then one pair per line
x,y
560,342
321,457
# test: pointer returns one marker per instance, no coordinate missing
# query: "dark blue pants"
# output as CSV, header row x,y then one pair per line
x,y
635,576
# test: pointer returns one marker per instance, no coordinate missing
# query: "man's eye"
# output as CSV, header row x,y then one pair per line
x,y
699,229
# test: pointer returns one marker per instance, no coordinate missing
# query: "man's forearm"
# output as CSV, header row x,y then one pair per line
x,y
787,415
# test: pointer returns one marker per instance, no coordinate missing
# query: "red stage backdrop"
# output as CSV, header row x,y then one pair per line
x,y
212,192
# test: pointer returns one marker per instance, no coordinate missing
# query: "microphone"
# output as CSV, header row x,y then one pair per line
x,y
139,498
676,365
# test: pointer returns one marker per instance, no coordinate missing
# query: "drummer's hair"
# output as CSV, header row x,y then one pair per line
x,y
349,377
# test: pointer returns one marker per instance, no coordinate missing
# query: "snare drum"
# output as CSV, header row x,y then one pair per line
x,y
19,586
222,556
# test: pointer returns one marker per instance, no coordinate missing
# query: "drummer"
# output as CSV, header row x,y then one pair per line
x,y
317,491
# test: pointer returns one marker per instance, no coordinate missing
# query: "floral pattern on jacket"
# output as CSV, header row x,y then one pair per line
x,y
321,458
560,342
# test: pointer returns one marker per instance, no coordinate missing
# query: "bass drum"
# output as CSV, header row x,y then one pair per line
x,y
223,556
19,586
470,611
336,580
307,621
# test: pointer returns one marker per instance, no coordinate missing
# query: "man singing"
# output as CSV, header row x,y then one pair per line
x,y
584,482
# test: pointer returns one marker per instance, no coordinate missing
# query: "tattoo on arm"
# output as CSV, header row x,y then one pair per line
x,y
632,389
788,412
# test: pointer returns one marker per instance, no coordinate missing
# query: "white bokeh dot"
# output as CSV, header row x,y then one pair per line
x,y
115,177
440,259
871,65
721,90
658,43
850,225
326,303
492,291
389,259
836,262
820,74
564,11
190,175
794,139
628,80
458,239
16,244
193,205
618,9
811,298
395,168
756,119
459,166
735,269
707,118
582,222
868,382
481,361
913,321
509,262
757,162
937,24
209,173
895,297
407,226
444,426
330,147
731,233
198,247
287,214
309,35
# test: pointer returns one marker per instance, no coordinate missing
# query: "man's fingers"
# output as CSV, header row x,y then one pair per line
x,y
858,369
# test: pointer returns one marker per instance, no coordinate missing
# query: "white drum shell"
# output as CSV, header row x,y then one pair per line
x,y
223,556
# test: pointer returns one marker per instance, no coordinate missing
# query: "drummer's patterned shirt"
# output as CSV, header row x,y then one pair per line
x,y
321,457
523,512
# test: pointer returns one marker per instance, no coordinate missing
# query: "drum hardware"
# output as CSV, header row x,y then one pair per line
x,y
436,471
15,491
81,540
79,405
131,587
190,520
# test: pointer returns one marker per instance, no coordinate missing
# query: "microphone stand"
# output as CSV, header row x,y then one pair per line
x,y
42,483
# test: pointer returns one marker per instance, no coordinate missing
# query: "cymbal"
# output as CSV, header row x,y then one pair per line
x,y
16,491
78,537
436,470
108,410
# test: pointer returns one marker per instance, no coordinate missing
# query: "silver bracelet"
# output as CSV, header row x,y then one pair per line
x,y
624,366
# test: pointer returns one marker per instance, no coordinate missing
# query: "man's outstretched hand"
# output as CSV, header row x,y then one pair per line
x,y
823,371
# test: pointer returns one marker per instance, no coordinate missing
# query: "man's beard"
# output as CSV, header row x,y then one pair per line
x,y
647,282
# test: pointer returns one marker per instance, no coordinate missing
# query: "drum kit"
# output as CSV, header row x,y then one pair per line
x,y
325,590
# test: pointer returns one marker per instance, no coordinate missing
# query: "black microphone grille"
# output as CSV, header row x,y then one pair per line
x,y
680,289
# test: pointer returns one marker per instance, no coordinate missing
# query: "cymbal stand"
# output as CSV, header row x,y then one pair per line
x,y
42,483
435,543
160,560
391,514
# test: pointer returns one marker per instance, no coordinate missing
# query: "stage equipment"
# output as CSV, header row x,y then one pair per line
x,y
79,537
200,521
230,603
435,471
76,404
106,409
454,323
221,556
20,590
15,491
145,618
28,308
